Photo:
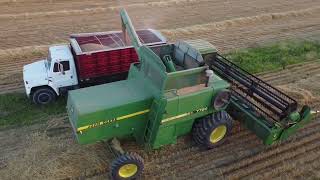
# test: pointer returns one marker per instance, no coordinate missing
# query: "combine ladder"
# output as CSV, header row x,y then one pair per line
x,y
155,117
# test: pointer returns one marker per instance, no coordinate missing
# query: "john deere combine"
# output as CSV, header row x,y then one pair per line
x,y
176,89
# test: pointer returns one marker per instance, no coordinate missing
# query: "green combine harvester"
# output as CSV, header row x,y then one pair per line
x,y
174,90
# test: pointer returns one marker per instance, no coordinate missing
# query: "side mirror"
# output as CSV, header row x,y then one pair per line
x,y
60,67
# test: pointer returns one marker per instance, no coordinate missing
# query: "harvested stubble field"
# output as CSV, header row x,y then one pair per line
x,y
48,151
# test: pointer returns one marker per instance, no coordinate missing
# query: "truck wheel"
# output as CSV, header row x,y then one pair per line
x,y
212,130
127,166
43,96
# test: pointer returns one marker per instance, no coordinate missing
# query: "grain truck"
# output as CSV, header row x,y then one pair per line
x,y
89,59
178,89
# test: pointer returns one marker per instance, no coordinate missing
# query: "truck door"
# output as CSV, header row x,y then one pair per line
x,y
63,75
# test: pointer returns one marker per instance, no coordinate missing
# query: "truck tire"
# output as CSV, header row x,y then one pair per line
x,y
211,131
127,166
43,96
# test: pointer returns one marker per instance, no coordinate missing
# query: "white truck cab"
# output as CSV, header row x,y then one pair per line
x,y
43,79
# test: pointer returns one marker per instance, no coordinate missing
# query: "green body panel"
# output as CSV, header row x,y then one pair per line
x,y
177,119
181,111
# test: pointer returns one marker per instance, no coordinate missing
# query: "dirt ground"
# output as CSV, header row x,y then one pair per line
x,y
49,151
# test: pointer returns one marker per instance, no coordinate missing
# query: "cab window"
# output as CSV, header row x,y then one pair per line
x,y
65,64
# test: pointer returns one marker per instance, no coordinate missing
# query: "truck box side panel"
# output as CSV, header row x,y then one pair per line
x,y
105,63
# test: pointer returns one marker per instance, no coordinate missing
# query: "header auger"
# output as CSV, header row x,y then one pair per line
x,y
178,89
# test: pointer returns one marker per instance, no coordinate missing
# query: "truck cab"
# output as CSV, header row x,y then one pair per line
x,y
42,79
62,69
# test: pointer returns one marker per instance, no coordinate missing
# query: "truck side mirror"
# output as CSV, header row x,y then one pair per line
x,y
60,67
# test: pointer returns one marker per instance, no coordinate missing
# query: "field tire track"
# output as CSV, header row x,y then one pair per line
x,y
194,157
286,167
251,152
302,148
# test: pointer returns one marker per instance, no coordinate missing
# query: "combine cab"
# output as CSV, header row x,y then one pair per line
x,y
177,89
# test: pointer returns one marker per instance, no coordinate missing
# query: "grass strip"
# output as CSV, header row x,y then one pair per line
x,y
275,56
17,109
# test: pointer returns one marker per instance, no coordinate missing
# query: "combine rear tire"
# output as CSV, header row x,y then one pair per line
x,y
43,96
212,130
127,166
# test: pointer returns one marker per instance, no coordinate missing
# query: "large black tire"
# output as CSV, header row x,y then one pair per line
x,y
127,166
211,131
43,96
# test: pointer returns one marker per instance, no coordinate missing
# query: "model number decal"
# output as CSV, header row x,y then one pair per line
x,y
184,115
101,123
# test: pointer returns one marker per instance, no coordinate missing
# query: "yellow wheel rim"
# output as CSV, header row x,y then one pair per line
x,y
218,133
128,170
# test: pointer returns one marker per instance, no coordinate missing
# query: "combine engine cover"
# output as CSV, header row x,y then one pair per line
x,y
102,112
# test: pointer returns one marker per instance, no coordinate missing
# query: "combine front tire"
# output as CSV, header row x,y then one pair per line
x,y
43,96
127,166
212,130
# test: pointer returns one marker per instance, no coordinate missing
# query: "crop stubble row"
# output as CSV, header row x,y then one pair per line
x,y
219,36
49,30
